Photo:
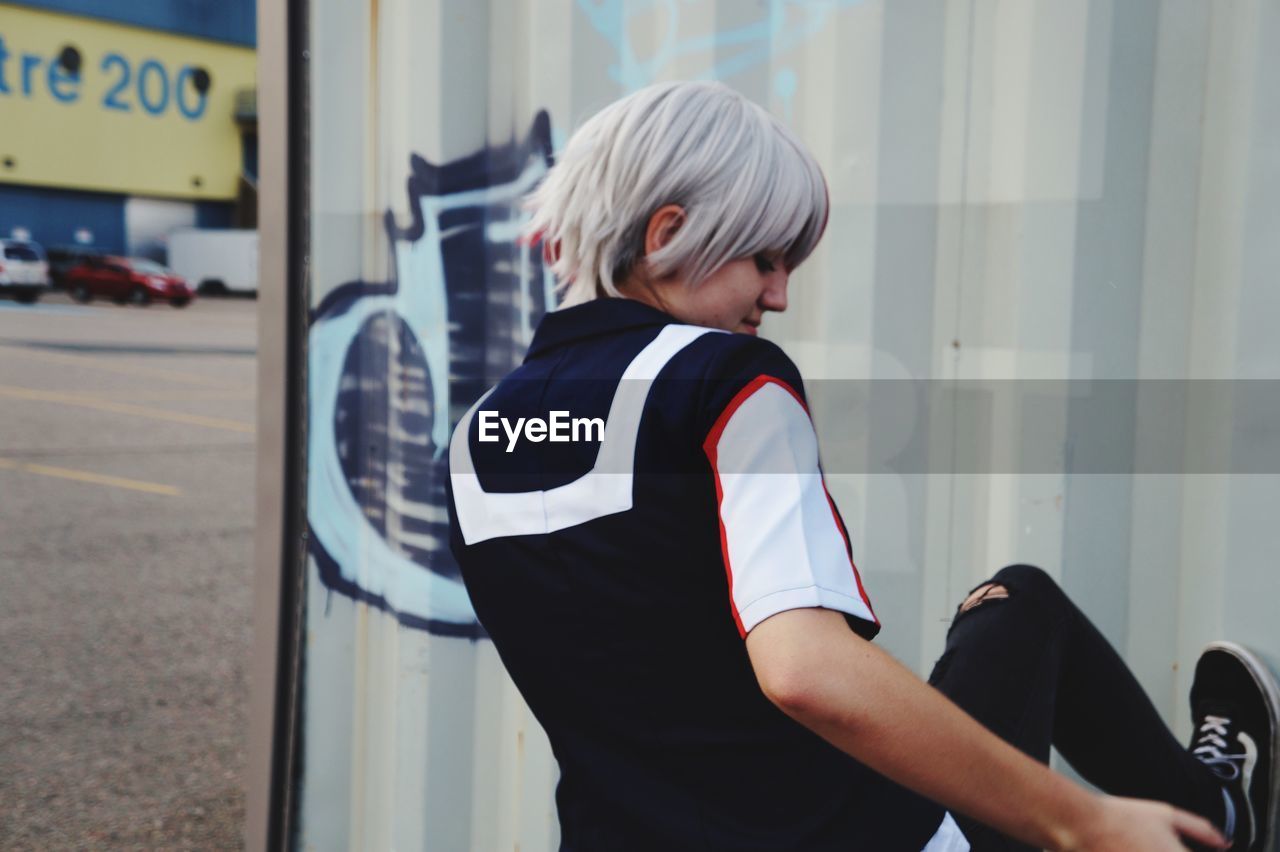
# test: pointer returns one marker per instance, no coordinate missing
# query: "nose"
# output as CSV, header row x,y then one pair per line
x,y
774,297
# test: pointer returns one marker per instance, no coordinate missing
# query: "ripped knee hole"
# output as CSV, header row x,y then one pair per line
x,y
987,592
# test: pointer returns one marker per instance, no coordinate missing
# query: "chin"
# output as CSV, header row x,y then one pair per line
x,y
748,329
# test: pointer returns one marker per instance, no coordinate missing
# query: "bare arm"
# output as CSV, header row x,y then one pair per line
x,y
857,697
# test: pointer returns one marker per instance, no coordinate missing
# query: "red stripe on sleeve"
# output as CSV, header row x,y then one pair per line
x,y
709,447
848,546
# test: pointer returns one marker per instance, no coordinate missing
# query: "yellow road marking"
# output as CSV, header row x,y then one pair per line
x,y
97,364
95,478
125,408
160,396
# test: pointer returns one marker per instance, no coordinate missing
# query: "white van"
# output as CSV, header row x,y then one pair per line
x,y
24,270
216,261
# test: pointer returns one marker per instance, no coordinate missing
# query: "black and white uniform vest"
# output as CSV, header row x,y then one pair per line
x,y
625,507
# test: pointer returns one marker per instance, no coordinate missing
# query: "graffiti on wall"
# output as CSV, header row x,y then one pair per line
x,y
770,28
393,364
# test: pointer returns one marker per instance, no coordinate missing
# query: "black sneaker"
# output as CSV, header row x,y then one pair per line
x,y
1235,707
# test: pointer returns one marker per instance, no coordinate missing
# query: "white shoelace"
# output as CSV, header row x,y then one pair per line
x,y
1211,751
1211,745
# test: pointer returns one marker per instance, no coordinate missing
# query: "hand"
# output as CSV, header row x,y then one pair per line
x,y
1129,825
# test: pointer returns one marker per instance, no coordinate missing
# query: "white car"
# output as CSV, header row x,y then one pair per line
x,y
24,271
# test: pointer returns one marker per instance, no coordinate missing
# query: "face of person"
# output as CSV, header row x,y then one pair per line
x,y
734,298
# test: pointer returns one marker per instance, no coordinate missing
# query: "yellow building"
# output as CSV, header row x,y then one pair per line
x,y
123,121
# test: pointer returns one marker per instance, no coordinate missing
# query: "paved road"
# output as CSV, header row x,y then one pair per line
x,y
126,525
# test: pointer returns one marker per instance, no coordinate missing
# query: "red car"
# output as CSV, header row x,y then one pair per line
x,y
127,279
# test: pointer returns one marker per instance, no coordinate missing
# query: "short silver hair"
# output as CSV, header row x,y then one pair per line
x,y
746,182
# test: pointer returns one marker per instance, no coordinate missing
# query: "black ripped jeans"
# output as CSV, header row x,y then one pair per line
x,y
1036,672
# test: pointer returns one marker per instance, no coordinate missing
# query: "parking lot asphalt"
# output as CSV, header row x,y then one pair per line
x,y
126,538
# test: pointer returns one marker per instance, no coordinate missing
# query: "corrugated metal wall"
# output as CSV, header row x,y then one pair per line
x,y
1037,206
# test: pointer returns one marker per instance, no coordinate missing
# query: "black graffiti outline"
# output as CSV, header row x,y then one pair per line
x,y
485,168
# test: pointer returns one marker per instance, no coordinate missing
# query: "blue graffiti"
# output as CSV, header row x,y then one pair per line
x,y
393,364
780,26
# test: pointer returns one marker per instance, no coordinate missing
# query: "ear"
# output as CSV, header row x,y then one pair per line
x,y
663,225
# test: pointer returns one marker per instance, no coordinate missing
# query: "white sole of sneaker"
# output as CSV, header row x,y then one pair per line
x,y
1269,686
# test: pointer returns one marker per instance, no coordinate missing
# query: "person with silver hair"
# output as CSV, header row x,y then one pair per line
x,y
726,178
676,598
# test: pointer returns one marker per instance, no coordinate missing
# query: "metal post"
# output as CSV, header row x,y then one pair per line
x,y
279,550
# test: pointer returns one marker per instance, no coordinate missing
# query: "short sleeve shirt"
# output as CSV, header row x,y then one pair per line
x,y
625,507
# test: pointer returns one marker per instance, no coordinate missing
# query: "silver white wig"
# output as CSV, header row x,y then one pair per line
x,y
747,185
